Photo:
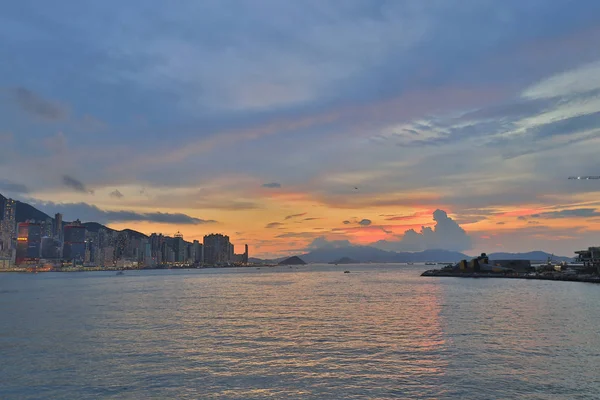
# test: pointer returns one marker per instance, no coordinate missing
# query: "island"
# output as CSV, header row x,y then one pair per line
x,y
295,260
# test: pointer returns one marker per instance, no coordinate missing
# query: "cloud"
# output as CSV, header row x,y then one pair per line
x,y
295,216
522,218
446,235
38,106
272,185
8,186
57,144
117,194
273,225
500,223
321,242
311,219
75,184
573,213
365,222
297,235
91,213
346,222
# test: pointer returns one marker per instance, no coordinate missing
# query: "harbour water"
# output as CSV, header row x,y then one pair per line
x,y
309,332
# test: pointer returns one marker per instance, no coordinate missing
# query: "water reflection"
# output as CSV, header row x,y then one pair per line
x,y
378,332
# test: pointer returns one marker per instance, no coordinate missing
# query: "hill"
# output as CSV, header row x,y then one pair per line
x,y
295,260
532,256
368,254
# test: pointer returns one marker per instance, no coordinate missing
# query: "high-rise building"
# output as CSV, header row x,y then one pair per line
x,y
58,226
47,228
245,260
197,252
50,248
179,247
29,242
74,242
217,249
8,224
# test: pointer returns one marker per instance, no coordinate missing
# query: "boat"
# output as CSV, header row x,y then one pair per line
x,y
346,272
430,263
120,273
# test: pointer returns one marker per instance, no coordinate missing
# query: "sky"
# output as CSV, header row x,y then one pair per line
x,y
293,125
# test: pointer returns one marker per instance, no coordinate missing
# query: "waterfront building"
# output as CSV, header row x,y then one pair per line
x,y
47,227
50,248
197,252
8,226
179,248
58,227
217,249
74,242
28,242
590,258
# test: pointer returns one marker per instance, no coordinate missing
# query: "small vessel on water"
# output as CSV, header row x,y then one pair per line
x,y
430,263
120,273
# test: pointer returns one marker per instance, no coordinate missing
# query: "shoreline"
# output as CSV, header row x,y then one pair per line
x,y
33,270
541,277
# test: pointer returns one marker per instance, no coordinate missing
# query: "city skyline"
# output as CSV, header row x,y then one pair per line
x,y
401,124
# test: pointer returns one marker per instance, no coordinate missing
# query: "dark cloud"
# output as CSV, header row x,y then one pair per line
x,y
577,212
272,185
322,243
522,218
295,216
8,186
75,184
500,223
365,222
38,106
346,222
446,235
117,194
273,225
90,213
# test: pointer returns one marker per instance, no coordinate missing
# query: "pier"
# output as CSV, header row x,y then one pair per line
x,y
558,276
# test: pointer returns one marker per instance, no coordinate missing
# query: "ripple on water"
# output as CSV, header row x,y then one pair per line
x,y
380,332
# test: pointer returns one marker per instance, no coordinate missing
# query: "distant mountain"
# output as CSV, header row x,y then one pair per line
x,y
295,260
95,227
367,254
532,256
26,212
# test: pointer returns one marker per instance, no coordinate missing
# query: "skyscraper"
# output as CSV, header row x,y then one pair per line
x,y
29,242
217,249
58,228
179,247
8,225
74,245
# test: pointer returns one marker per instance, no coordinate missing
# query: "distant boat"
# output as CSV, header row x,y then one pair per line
x,y
120,273
430,263
346,272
